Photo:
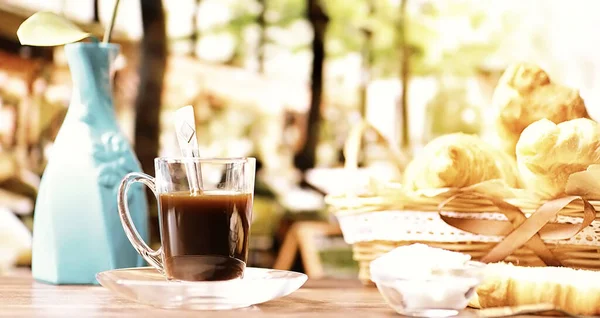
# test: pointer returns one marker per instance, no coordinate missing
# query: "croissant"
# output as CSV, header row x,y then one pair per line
x,y
576,291
459,160
547,153
525,94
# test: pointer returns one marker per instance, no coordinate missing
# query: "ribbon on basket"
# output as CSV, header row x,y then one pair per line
x,y
520,230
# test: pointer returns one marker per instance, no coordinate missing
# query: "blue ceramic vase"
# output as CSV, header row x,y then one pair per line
x,y
77,232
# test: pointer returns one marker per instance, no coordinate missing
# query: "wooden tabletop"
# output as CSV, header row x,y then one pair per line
x,y
21,296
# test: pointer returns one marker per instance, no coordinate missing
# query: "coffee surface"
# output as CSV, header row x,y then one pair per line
x,y
205,237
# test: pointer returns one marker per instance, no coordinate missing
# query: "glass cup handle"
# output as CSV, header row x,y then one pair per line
x,y
153,257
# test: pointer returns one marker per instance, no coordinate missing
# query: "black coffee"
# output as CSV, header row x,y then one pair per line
x,y
205,237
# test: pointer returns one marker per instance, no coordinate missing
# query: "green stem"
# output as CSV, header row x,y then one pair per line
x,y
111,25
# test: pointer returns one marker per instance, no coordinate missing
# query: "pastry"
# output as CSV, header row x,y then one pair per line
x,y
525,94
459,160
547,153
576,291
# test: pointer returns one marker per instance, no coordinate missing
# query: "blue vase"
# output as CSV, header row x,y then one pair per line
x,y
76,231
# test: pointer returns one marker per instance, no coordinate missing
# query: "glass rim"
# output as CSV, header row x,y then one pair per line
x,y
217,160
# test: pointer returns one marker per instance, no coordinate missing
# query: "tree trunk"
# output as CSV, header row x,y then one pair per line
x,y
152,69
404,78
148,102
96,11
367,61
318,19
195,32
262,37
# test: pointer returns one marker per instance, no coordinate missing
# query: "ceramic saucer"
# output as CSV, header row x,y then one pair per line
x,y
148,286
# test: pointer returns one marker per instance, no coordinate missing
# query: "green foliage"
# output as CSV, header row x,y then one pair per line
x,y
455,36
370,27
282,13
347,19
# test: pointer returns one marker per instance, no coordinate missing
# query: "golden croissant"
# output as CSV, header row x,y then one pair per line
x,y
525,94
547,153
576,291
459,160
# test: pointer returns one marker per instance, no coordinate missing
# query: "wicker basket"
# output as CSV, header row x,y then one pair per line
x,y
562,232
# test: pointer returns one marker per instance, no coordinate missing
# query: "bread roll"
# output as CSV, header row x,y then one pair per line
x,y
576,291
547,153
525,94
459,160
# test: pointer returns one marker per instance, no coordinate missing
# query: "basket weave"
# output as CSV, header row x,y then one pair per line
x,y
463,220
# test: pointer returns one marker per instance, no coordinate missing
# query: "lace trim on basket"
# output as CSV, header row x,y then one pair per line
x,y
405,225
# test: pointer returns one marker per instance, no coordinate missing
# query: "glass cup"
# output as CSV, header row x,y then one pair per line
x,y
205,211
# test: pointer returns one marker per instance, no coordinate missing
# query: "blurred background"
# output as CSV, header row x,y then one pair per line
x,y
284,81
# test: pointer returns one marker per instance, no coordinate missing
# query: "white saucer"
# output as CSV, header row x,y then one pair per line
x,y
148,286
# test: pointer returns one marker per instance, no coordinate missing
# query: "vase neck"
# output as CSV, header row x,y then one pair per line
x,y
91,66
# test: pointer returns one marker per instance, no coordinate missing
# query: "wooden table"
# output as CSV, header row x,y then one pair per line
x,y
20,296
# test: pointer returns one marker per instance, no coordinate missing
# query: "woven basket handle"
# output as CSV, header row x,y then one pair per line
x,y
353,145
